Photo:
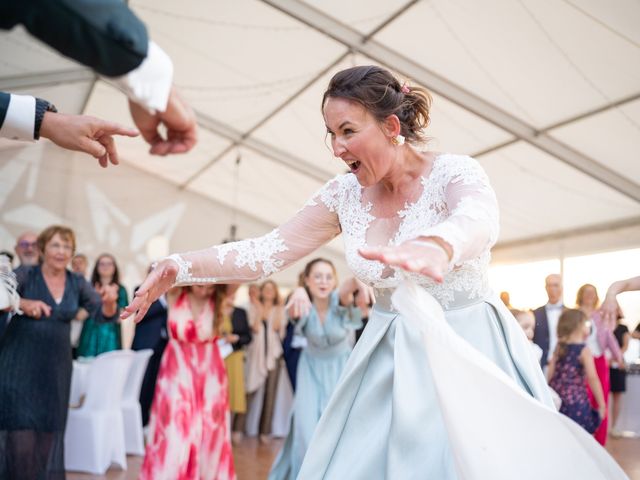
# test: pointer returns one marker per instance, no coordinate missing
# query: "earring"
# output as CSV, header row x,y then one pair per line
x,y
398,140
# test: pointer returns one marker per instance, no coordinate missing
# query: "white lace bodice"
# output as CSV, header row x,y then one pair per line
x,y
456,204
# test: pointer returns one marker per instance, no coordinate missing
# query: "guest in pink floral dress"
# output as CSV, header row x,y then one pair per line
x,y
189,428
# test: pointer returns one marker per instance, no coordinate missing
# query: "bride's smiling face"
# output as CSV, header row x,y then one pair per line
x,y
357,138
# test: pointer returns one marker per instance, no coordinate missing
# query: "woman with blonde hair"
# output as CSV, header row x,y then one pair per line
x,y
35,358
328,329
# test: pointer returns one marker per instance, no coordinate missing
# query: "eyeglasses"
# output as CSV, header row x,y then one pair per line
x,y
60,246
25,244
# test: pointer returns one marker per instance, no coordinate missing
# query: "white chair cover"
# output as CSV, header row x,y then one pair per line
x,y
131,410
94,437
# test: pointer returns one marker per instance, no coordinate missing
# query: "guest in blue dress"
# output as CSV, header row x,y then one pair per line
x,y
35,359
327,328
571,368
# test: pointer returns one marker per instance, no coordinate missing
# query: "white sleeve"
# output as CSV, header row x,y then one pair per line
x,y
472,225
253,259
150,83
20,119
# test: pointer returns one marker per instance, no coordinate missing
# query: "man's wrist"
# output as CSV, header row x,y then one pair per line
x,y
42,107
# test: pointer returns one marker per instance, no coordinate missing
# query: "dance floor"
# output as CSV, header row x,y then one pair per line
x,y
253,460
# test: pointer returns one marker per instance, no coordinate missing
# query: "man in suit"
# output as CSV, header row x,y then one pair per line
x,y
545,334
151,333
106,36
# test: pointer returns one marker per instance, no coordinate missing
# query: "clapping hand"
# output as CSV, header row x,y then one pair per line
x,y
426,257
159,281
610,310
364,296
109,296
299,304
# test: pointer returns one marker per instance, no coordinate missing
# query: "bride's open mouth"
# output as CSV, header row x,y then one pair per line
x,y
354,166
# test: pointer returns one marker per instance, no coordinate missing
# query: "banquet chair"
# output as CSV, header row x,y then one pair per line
x,y
131,410
94,438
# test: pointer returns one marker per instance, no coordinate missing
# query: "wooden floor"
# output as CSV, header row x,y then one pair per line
x,y
253,460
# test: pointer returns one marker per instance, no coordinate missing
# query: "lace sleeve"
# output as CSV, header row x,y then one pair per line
x,y
250,260
472,225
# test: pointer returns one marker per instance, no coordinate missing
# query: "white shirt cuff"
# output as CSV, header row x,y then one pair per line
x,y
149,84
20,119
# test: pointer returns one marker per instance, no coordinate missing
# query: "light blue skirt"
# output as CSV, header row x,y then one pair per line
x,y
367,431
319,371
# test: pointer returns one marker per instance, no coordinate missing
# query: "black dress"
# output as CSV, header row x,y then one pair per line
x,y
618,376
35,377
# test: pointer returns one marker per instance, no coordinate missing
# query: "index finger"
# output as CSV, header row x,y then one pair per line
x,y
106,127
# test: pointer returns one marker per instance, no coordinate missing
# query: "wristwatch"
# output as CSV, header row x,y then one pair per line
x,y
42,106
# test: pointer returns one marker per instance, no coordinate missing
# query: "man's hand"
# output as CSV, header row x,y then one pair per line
x,y
83,133
179,120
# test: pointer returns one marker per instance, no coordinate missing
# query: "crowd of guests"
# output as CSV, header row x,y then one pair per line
x,y
213,360
581,350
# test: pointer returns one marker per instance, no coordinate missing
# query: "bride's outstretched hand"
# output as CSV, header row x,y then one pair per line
x,y
425,257
159,280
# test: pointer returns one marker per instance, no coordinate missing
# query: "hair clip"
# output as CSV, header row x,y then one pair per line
x,y
405,88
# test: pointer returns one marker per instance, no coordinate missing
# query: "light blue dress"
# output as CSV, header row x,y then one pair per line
x,y
320,366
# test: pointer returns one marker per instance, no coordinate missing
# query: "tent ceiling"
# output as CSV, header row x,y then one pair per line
x,y
545,94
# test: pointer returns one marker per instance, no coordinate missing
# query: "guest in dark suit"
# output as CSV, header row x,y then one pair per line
x,y
151,333
545,334
108,37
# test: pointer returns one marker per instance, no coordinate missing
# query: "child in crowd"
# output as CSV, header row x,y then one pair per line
x,y
528,322
571,365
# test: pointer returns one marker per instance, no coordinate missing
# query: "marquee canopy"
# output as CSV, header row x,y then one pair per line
x,y
545,94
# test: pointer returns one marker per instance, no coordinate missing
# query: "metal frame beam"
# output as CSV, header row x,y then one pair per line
x,y
46,79
357,42
288,159
238,138
247,215
565,234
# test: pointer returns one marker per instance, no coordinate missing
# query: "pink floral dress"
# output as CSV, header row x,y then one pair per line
x,y
189,426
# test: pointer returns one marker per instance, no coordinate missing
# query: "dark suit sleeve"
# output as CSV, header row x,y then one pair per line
x,y
241,328
4,106
102,34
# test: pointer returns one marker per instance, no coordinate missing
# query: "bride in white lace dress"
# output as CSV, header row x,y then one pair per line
x,y
420,397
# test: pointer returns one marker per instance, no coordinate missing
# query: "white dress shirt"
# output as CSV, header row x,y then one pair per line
x,y
553,315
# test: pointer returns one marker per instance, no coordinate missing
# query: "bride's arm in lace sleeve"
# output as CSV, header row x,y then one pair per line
x,y
472,225
246,260
470,229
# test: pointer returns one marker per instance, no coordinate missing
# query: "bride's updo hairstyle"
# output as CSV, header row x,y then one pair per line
x,y
377,90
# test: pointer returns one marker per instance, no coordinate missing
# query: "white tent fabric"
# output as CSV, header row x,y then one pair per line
x,y
545,94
